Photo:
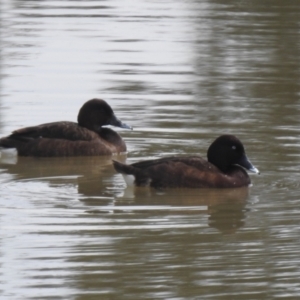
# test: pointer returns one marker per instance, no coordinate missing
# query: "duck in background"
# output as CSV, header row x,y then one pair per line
x,y
85,138
224,168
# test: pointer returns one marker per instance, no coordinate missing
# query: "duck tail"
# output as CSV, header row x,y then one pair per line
x,y
131,174
122,168
6,142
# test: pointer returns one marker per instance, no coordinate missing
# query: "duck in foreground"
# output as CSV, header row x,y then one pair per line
x,y
85,138
225,168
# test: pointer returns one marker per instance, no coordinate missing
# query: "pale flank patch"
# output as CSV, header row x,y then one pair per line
x,y
8,152
129,179
8,156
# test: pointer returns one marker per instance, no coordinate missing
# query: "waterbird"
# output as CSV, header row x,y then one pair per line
x,y
88,137
224,168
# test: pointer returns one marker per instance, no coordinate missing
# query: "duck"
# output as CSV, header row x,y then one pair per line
x,y
225,167
87,137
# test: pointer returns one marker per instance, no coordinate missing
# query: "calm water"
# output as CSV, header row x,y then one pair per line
x,y
181,73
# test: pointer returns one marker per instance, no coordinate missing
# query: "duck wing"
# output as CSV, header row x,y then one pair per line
x,y
191,171
57,130
196,162
56,139
176,172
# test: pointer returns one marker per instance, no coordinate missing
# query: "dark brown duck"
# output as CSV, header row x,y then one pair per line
x,y
85,138
225,168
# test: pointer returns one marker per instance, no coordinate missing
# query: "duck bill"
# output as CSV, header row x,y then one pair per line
x,y
245,163
116,122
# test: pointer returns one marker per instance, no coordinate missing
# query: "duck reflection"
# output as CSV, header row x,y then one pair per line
x,y
99,186
226,208
89,173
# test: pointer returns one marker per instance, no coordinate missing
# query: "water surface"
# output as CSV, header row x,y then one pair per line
x,y
181,73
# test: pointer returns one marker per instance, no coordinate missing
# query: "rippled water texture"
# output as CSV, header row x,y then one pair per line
x,y
181,73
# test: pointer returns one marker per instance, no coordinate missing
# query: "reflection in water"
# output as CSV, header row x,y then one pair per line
x,y
181,73
225,207
91,176
84,172
227,217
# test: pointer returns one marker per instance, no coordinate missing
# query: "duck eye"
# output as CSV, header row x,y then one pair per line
x,y
233,147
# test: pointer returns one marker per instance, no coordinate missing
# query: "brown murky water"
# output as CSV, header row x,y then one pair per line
x,y
181,73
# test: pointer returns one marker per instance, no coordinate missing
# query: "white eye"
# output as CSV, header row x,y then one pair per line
x,y
233,147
